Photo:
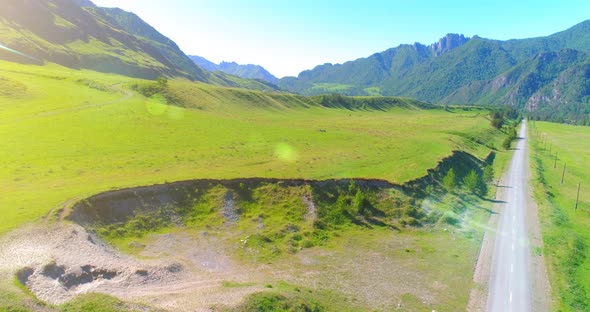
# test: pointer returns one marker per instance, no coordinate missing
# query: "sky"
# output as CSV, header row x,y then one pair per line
x,y
287,37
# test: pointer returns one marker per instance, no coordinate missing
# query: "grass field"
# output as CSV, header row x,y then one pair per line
x,y
566,232
69,134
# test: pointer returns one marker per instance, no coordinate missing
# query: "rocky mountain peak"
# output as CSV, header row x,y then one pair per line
x,y
448,42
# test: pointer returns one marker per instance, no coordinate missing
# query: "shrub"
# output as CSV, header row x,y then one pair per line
x,y
497,120
307,243
511,137
507,143
410,221
471,181
319,224
488,174
334,214
450,218
450,180
358,203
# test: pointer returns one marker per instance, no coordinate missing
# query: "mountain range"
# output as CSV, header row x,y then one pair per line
x,y
546,75
248,71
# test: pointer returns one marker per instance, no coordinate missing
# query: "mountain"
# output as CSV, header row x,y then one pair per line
x,y
204,63
553,85
365,75
248,71
544,74
78,34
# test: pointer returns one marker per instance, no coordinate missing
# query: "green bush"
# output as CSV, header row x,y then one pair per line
x,y
488,174
334,214
358,203
450,180
472,182
497,120
450,218
507,143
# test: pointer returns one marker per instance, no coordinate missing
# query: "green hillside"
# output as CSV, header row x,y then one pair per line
x,y
101,39
63,32
546,76
551,85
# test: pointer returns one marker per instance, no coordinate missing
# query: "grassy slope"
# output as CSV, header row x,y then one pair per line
x,y
565,232
55,148
101,39
70,134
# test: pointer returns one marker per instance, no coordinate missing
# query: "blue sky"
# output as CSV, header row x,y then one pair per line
x,y
287,37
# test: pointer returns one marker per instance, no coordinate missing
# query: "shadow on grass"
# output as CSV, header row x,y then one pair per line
x,y
473,203
495,201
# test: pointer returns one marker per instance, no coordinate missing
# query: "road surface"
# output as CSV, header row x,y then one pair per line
x,y
510,286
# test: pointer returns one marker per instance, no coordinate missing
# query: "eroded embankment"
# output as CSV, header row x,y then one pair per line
x,y
274,216
177,198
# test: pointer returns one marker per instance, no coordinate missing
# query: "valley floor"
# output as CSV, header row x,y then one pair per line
x,y
72,134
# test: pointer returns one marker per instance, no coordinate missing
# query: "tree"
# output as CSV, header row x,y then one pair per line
x,y
488,174
507,143
450,180
497,123
471,181
358,203
512,134
497,119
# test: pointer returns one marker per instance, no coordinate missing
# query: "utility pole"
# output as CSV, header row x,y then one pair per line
x,y
577,197
563,174
555,164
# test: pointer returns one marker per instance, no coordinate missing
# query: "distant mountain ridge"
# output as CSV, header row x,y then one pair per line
x,y
248,71
545,75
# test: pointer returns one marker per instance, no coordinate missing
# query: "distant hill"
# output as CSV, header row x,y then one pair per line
x,y
78,34
248,71
546,75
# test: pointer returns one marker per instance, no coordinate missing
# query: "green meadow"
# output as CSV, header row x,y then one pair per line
x,y
566,235
69,134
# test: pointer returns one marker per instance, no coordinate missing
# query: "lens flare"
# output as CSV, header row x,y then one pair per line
x,y
286,152
5,48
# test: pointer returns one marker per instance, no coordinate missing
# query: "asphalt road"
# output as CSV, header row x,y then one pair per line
x,y
510,287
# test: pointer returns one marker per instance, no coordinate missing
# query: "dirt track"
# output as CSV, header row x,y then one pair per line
x,y
60,261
